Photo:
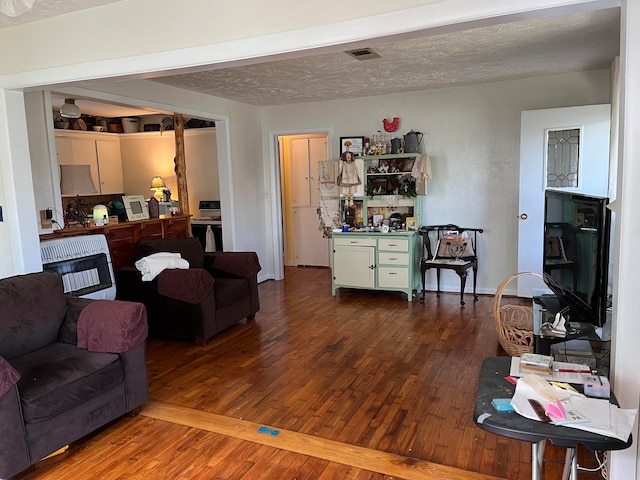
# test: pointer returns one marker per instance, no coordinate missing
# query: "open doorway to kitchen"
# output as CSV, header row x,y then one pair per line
x,y
300,159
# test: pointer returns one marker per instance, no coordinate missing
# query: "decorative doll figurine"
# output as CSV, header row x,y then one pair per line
x,y
348,177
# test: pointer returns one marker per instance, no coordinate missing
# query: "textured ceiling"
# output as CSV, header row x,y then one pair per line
x,y
577,42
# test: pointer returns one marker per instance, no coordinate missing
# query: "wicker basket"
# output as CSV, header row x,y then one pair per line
x,y
514,323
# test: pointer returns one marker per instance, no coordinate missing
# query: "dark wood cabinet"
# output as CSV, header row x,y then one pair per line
x,y
123,237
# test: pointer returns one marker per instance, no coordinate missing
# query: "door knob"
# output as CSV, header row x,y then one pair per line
x,y
524,216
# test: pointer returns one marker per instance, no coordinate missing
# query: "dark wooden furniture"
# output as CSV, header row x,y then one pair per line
x,y
440,258
123,237
492,384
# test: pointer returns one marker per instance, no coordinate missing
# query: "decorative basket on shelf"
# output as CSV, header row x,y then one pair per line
x,y
514,323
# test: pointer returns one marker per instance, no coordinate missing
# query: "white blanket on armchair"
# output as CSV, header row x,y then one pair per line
x,y
152,265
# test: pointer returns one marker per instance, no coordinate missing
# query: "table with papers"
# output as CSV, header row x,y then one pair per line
x,y
493,384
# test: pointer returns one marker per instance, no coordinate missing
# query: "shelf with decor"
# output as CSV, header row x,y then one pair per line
x,y
390,193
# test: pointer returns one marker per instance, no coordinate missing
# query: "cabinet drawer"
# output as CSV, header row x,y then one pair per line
x,y
355,241
394,244
393,277
389,258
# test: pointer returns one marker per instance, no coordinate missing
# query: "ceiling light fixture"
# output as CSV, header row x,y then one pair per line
x,y
15,8
70,109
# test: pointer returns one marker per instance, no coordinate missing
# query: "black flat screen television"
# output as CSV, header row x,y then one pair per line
x,y
576,254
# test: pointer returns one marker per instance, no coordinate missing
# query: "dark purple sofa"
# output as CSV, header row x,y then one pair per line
x,y
218,290
68,366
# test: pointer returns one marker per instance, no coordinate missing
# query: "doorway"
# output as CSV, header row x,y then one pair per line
x,y
300,155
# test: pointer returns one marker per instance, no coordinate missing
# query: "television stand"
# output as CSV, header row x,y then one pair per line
x,y
545,308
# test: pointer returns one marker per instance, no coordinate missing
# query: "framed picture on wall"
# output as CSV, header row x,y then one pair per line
x,y
351,144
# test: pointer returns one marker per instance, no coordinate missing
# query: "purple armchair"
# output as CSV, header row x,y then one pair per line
x,y
68,366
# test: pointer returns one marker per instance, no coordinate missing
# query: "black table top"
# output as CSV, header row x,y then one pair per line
x,y
492,384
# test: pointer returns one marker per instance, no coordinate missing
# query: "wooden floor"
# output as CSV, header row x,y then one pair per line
x,y
361,386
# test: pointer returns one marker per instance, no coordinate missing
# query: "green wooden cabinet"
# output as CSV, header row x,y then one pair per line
x,y
376,261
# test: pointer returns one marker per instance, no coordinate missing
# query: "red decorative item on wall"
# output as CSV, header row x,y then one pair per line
x,y
391,126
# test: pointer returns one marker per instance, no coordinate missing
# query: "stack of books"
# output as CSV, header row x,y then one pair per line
x,y
536,363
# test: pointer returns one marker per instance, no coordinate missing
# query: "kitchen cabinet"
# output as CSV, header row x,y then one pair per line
x,y
101,151
376,261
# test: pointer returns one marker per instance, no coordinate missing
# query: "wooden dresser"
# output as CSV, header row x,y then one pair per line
x,y
123,237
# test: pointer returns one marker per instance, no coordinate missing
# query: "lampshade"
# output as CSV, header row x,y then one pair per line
x,y
157,182
69,109
15,8
76,180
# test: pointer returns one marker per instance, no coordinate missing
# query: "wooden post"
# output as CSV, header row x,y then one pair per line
x,y
180,164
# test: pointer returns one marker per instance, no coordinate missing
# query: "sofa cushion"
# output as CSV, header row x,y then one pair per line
x,y
189,248
60,376
32,309
230,290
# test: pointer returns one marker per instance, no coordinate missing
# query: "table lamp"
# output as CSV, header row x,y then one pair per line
x,y
157,187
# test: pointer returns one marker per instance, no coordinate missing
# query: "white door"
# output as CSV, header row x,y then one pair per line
x,y
309,246
593,121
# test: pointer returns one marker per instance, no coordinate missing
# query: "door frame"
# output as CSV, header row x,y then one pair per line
x,y
276,188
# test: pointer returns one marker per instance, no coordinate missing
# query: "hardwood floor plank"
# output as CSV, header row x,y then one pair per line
x,y
321,448
365,376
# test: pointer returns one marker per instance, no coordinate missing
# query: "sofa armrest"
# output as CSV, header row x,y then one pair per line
x,y
241,264
112,326
191,286
14,451
8,376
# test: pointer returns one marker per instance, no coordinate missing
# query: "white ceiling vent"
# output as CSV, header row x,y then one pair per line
x,y
363,54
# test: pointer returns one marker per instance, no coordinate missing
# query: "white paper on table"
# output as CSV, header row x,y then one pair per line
x,y
604,418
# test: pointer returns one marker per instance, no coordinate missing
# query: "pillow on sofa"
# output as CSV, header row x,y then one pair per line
x,y
32,309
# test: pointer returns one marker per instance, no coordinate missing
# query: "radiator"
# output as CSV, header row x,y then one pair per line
x,y
84,263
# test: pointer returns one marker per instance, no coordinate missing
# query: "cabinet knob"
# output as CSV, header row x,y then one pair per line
x,y
372,267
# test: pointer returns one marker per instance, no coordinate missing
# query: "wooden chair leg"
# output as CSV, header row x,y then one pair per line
x,y
463,282
475,278
438,282
423,272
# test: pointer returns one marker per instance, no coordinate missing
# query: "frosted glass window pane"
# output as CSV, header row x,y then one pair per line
x,y
563,158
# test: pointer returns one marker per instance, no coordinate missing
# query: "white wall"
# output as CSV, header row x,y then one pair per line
x,y
145,155
472,135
